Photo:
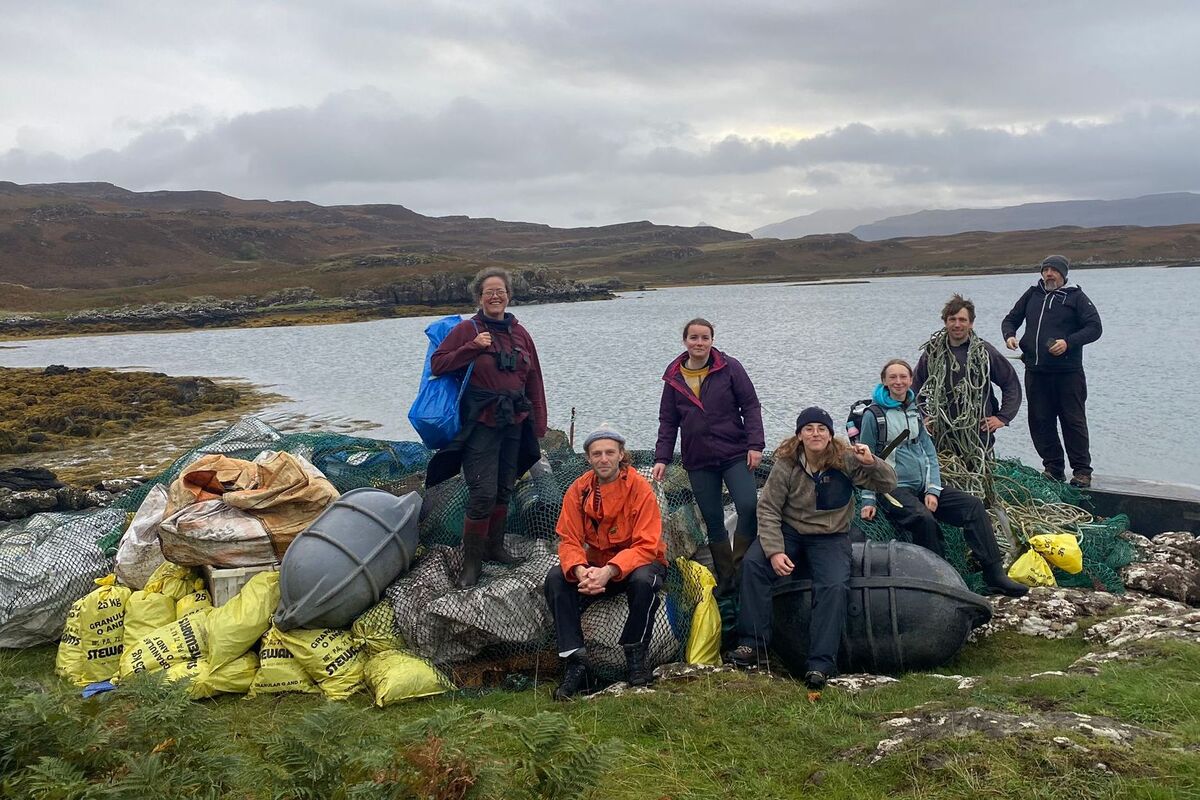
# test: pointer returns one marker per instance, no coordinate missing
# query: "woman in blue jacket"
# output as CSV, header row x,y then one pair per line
x,y
919,501
710,403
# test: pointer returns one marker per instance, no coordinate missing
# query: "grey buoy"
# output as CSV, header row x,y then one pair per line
x,y
339,566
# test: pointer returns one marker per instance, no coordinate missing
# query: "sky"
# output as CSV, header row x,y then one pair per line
x,y
587,112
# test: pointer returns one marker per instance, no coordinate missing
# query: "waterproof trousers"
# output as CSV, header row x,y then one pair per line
x,y
955,508
567,604
825,558
1057,399
489,467
706,487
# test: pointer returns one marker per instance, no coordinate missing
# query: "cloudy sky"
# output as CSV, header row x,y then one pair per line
x,y
597,111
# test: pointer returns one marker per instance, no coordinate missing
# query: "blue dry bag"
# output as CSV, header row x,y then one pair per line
x,y
434,412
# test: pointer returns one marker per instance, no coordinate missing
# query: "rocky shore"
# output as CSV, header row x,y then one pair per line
x,y
416,296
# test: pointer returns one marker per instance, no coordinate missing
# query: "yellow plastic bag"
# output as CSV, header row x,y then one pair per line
x,y
1032,570
69,662
1060,549
233,678
394,676
238,624
278,669
184,639
102,629
704,640
334,659
199,598
145,613
173,580
377,627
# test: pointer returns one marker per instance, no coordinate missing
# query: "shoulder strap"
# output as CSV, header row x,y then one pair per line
x,y
881,439
470,368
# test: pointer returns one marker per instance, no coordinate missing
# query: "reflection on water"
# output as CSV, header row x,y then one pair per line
x,y
801,344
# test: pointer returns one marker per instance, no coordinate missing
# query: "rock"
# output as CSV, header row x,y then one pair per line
x,y
18,505
1053,613
1120,631
118,485
1184,541
21,479
856,683
911,728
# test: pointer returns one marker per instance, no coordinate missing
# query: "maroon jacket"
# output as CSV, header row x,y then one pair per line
x,y
720,425
458,350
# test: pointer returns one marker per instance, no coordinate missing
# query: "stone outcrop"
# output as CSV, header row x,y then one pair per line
x,y
1167,565
1055,613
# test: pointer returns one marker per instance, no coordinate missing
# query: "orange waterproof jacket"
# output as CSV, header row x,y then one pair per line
x,y
628,535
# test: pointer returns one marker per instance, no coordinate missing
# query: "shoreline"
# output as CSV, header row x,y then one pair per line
x,y
286,318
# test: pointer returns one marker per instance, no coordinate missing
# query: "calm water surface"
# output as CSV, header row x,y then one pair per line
x,y
802,345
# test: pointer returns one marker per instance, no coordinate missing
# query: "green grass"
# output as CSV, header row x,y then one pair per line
x,y
723,736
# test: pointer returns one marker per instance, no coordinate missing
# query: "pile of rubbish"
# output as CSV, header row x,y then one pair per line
x,y
218,571
144,585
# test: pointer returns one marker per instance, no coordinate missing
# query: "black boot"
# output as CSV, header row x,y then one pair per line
x,y
999,582
495,538
722,558
740,545
473,543
638,672
575,676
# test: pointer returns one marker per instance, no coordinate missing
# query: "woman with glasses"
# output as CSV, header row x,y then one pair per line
x,y
503,412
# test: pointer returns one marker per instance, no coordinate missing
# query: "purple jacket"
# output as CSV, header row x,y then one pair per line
x,y
720,425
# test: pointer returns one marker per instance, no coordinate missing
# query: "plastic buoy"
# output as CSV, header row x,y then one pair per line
x,y
338,568
909,610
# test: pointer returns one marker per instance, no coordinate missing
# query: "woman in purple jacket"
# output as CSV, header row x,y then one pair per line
x,y
709,401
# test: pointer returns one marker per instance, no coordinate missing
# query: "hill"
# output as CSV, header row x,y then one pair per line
x,y
827,220
1176,208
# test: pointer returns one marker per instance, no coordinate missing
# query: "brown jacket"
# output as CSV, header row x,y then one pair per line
x,y
790,497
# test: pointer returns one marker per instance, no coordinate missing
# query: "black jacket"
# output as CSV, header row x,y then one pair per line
x,y
1064,313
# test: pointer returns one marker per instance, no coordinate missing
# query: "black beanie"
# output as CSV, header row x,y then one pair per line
x,y
1059,264
814,414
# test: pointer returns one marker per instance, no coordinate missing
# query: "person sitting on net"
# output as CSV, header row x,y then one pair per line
x,y
920,502
804,515
609,542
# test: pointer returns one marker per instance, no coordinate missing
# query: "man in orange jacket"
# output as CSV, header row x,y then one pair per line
x,y
610,542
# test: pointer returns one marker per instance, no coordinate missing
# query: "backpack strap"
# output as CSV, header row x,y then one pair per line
x,y
470,368
881,439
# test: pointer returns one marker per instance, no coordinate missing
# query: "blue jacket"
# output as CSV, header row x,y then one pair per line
x,y
915,461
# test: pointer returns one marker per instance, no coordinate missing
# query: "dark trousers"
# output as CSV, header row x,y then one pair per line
x,y
955,508
706,487
823,557
1054,399
567,604
489,467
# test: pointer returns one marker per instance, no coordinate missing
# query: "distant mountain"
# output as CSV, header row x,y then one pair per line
x,y
831,220
1176,208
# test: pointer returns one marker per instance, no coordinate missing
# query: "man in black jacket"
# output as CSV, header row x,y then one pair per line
x,y
1059,320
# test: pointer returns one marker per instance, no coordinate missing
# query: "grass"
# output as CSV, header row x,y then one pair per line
x,y
723,736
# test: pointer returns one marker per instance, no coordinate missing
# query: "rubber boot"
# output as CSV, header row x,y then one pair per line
x,y
637,671
998,581
474,541
723,569
575,676
740,545
495,538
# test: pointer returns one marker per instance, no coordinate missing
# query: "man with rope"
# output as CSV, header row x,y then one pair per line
x,y
953,381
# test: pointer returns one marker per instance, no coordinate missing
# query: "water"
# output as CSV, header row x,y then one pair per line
x,y
802,345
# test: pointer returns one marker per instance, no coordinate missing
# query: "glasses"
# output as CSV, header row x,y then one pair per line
x,y
495,293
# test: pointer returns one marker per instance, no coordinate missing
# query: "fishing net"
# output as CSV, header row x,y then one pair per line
x,y
499,627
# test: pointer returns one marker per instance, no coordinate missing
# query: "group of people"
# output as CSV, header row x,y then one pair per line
x,y
610,526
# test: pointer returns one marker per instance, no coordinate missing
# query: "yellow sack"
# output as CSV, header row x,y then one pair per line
x,y
1060,549
1032,570
69,663
145,613
233,678
394,676
184,639
704,640
334,659
199,598
278,669
102,629
237,625
377,627
174,581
